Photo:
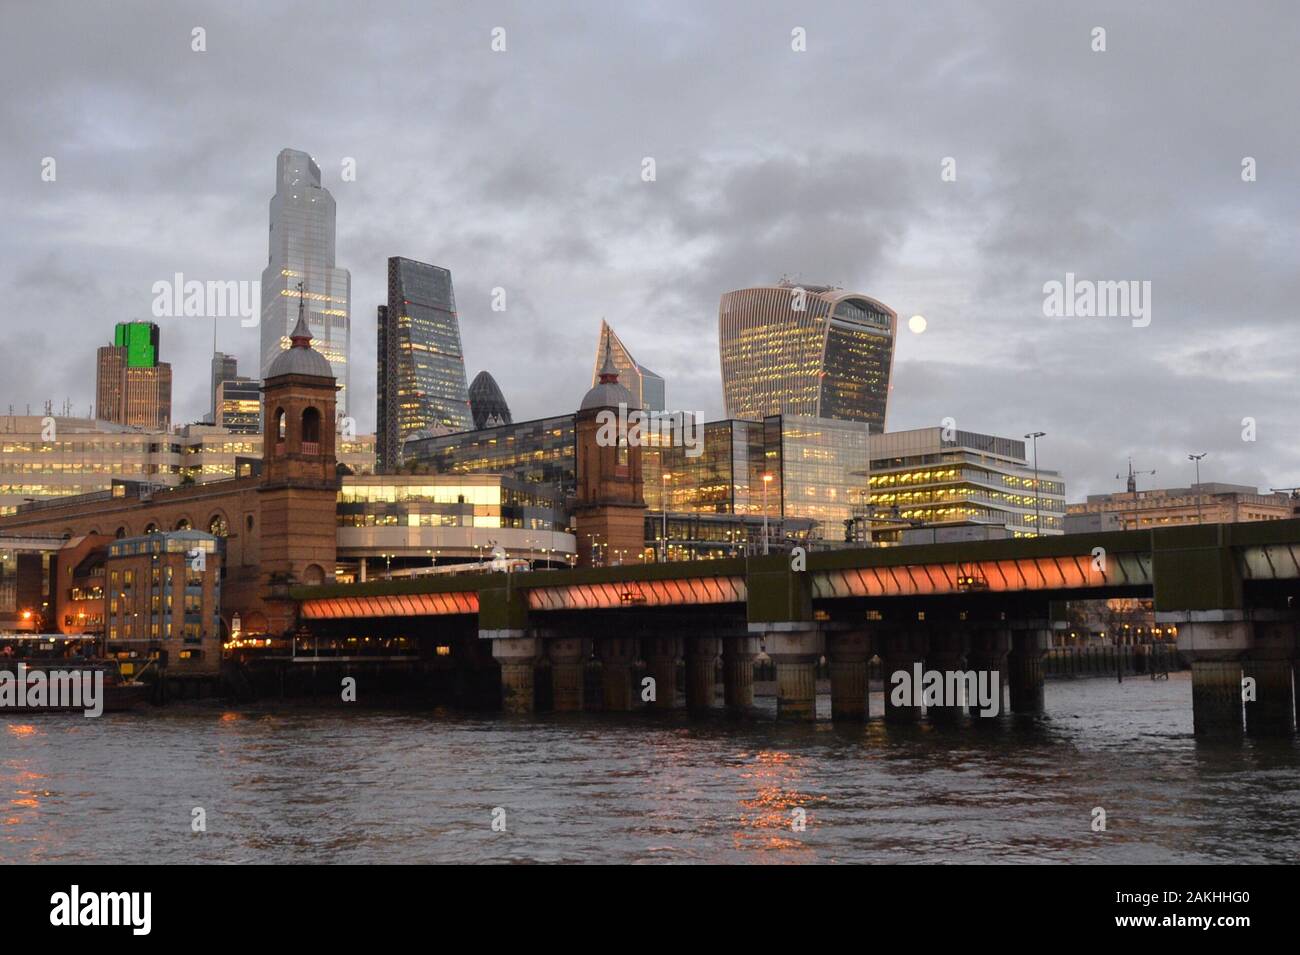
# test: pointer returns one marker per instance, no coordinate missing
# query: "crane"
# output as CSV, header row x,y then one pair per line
x,y
1132,477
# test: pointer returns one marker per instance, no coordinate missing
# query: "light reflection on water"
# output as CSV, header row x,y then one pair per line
x,y
304,785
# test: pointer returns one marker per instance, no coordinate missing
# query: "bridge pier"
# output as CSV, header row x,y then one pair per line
x,y
662,654
795,649
1029,641
568,673
849,651
1272,712
899,652
701,673
947,649
988,651
1216,641
617,659
738,674
517,656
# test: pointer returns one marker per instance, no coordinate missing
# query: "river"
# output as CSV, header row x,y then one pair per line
x,y
311,785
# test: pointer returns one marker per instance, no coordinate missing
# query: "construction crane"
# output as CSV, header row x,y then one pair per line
x,y
1132,477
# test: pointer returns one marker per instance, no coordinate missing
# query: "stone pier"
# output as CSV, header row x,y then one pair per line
x,y
662,654
795,649
568,671
901,650
738,654
987,653
1215,641
1272,712
1029,642
517,655
701,673
848,652
946,655
618,661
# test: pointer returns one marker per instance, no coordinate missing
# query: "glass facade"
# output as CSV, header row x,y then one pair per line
x,y
811,351
534,452
646,388
487,404
302,250
84,456
819,469
930,477
421,384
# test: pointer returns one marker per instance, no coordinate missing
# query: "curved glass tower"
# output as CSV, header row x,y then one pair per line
x,y
487,405
809,350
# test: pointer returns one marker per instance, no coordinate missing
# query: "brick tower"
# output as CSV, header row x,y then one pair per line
x,y
609,508
299,488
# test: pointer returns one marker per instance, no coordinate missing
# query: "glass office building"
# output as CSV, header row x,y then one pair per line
x,y
932,477
543,451
302,250
421,385
486,402
811,351
646,388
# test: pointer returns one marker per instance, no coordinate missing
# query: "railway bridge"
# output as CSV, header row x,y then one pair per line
x,y
1228,590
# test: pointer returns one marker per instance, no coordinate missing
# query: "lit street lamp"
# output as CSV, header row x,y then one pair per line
x,y
1038,520
767,479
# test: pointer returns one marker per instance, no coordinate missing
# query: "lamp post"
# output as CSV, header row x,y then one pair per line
x,y
1197,459
1038,520
767,479
663,547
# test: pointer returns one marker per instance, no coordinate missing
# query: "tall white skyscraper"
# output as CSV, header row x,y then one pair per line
x,y
302,250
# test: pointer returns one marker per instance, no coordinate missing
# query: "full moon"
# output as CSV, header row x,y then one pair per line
x,y
916,323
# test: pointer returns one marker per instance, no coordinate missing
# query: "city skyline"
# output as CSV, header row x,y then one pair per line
x,y
734,203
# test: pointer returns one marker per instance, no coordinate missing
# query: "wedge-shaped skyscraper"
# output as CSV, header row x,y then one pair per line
x,y
646,388
421,381
809,350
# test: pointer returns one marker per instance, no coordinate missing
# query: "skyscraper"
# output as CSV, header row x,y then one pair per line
x,y
814,351
487,404
302,250
421,382
224,368
644,385
132,386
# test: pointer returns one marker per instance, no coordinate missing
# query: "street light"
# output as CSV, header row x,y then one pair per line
x,y
1197,459
1038,520
663,547
767,479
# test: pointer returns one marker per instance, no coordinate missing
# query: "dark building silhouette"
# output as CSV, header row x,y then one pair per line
x,y
487,405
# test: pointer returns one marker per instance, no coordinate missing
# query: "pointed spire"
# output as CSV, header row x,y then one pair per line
x,y
608,371
301,334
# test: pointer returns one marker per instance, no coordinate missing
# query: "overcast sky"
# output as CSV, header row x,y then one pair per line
x,y
522,169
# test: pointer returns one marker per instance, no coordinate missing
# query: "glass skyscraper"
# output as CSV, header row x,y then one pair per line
x,y
421,386
302,250
646,387
807,350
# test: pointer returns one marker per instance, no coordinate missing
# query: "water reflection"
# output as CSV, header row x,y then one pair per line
x,y
300,785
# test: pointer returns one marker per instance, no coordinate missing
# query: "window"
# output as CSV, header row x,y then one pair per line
x,y
311,426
